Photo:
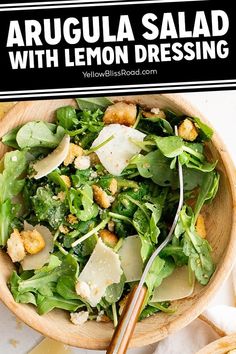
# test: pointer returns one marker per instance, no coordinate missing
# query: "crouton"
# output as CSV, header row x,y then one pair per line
x,y
94,159
79,318
108,237
120,113
101,197
66,180
155,112
72,219
82,162
15,247
187,130
64,229
61,196
74,151
113,187
200,226
33,241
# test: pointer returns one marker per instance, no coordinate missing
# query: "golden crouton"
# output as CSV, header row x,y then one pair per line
x,y
101,197
155,112
108,237
120,113
113,187
187,130
64,229
74,151
66,180
72,219
15,247
33,241
200,226
61,196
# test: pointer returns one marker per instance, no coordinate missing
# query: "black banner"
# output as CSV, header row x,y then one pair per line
x,y
81,48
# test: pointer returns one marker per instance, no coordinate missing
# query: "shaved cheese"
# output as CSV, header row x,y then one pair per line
x,y
52,161
102,269
131,260
49,346
37,261
176,286
116,154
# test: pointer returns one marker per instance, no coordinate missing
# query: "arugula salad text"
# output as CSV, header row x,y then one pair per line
x,y
86,199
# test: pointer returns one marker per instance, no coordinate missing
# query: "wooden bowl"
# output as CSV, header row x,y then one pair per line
x,y
220,346
221,229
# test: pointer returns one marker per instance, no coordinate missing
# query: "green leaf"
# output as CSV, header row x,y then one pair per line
x,y
156,166
66,117
155,217
209,188
177,253
90,209
93,103
114,291
47,304
48,209
39,134
155,125
148,311
205,132
170,146
66,288
5,221
154,274
9,139
197,249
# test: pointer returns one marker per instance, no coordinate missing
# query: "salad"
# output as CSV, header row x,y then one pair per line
x,y
85,200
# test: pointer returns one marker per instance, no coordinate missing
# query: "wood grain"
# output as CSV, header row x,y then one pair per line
x,y
221,230
220,346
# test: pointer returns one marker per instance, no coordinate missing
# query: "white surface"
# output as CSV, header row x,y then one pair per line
x,y
220,109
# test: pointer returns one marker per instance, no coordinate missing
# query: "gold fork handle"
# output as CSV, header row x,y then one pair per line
x,y
119,345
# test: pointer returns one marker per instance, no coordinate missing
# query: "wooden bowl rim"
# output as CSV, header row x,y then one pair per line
x,y
220,346
188,315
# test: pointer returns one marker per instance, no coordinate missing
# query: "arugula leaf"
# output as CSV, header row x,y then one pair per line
x,y
156,166
209,188
10,185
155,125
93,103
81,203
148,311
6,218
197,249
176,252
170,146
43,284
66,287
9,139
114,291
47,304
66,117
39,134
154,275
48,209
205,132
